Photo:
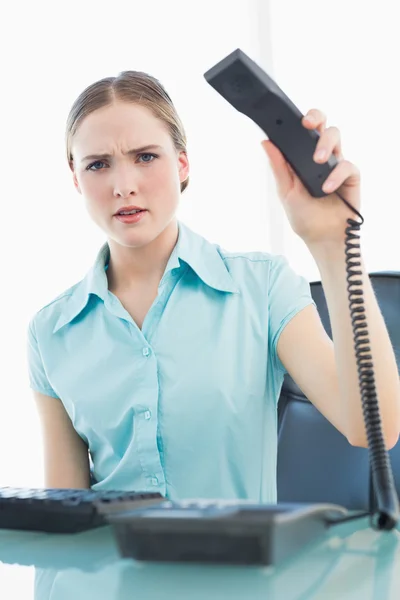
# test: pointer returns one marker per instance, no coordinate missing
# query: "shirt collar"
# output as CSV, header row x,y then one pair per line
x,y
191,248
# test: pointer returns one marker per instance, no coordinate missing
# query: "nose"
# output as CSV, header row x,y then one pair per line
x,y
125,184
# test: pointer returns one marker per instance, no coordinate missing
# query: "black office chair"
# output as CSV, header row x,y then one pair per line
x,y
316,463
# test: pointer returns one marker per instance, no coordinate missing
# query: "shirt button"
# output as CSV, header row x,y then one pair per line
x,y
154,480
147,415
146,351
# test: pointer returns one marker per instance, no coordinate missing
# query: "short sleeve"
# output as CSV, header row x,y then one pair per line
x,y
36,371
288,294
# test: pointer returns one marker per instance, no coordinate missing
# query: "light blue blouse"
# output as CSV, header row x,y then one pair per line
x,y
187,406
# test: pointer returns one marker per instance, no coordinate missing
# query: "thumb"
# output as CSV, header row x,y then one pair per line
x,y
281,169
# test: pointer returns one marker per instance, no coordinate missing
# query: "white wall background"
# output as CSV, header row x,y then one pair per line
x,y
341,57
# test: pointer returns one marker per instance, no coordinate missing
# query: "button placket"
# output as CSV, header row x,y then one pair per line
x,y
147,425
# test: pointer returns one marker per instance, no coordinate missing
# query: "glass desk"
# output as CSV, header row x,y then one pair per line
x,y
352,562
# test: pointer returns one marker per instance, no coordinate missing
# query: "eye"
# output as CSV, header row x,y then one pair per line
x,y
97,162
148,154
94,166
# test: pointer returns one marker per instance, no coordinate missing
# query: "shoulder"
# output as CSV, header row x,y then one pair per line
x,y
262,275
268,274
246,257
49,314
253,261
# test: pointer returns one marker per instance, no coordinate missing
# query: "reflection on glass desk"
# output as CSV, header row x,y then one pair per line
x,y
352,562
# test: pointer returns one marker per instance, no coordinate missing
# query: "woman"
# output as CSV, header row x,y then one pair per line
x,y
166,361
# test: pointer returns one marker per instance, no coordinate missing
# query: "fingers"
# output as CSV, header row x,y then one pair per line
x,y
344,171
315,119
330,138
329,143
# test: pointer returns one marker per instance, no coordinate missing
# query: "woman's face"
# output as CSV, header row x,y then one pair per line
x,y
113,168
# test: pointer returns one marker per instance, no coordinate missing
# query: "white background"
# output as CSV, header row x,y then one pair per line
x,y
341,57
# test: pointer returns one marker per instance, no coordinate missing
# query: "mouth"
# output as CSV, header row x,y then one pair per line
x,y
129,210
129,217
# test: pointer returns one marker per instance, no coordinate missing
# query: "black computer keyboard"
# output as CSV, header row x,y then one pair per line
x,y
66,510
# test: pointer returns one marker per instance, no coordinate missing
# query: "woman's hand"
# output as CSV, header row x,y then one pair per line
x,y
318,221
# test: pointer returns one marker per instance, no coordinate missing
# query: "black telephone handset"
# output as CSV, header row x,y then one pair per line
x,y
252,92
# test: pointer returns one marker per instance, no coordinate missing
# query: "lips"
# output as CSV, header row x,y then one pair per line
x,y
128,209
132,218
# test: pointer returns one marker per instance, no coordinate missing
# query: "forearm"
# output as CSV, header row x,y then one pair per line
x,y
332,267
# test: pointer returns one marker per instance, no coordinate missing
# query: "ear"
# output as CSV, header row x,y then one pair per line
x,y
74,178
184,166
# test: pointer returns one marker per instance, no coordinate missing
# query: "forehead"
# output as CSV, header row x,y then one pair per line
x,y
119,122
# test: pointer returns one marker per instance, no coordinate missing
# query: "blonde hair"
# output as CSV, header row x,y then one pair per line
x,y
129,86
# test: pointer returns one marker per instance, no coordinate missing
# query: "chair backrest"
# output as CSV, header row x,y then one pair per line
x,y
316,463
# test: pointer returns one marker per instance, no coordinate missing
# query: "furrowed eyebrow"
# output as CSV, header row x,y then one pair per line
x,y
130,152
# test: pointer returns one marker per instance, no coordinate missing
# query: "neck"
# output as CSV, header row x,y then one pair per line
x,y
129,267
